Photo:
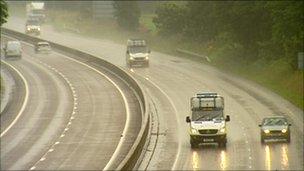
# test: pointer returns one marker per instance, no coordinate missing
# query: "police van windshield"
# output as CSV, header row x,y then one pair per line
x,y
138,49
207,114
32,22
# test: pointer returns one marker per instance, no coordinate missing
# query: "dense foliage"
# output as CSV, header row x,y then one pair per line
x,y
253,29
127,14
3,12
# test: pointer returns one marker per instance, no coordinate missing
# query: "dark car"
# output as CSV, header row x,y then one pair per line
x,y
276,127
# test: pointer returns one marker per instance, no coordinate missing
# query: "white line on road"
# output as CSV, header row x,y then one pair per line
x,y
24,102
175,111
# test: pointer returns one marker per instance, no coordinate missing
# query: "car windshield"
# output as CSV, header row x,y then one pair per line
x,y
274,121
44,45
13,45
138,49
207,114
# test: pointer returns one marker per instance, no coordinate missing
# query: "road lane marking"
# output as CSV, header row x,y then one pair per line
x,y
24,102
126,128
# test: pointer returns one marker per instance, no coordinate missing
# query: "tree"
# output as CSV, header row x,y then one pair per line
x,y
127,14
169,18
3,12
288,27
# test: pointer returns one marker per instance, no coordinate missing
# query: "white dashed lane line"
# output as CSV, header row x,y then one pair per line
x,y
74,111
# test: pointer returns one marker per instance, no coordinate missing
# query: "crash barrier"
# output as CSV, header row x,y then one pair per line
x,y
133,155
196,55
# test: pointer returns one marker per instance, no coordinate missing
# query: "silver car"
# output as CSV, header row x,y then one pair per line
x,y
43,47
276,127
12,49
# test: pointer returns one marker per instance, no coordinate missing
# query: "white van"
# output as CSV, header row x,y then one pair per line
x,y
12,49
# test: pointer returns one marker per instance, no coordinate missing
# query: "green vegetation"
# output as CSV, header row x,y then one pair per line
x,y
3,12
257,40
127,14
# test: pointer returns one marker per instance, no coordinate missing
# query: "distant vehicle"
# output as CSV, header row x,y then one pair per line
x,y
36,9
137,53
32,26
12,49
42,47
208,122
276,127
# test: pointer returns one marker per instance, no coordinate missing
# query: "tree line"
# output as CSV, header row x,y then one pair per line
x,y
252,29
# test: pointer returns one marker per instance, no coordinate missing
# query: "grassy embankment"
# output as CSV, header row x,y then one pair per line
x,y
277,76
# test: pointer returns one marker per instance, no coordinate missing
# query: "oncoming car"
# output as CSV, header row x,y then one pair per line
x,y
12,49
276,127
42,47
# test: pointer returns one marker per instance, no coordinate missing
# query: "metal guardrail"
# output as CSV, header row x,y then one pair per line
x,y
196,55
133,155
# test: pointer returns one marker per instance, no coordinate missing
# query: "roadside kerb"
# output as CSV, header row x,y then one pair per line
x,y
134,153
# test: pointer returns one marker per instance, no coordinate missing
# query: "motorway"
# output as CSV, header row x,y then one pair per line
x,y
170,81
71,111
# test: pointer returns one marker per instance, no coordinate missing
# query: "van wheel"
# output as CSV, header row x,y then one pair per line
x,y
193,144
262,140
222,144
288,138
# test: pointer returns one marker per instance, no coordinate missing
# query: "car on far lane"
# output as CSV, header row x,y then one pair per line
x,y
42,47
12,49
276,127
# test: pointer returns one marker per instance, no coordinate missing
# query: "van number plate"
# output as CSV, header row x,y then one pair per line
x,y
208,140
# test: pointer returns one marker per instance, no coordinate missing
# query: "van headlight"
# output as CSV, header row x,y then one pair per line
x,y
266,131
38,28
284,130
223,130
131,58
146,58
28,29
194,131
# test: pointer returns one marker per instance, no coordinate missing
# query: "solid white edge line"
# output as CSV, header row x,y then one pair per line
x,y
175,110
24,102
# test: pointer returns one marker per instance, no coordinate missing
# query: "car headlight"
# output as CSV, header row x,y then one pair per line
x,y
223,130
266,131
28,29
131,58
146,58
284,130
194,131
38,28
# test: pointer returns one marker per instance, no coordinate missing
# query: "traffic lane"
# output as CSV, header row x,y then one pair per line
x,y
246,106
163,140
209,156
99,121
258,103
167,60
16,98
46,110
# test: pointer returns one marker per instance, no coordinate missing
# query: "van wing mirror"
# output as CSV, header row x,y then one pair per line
x,y
188,120
128,52
227,118
260,125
